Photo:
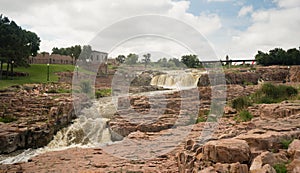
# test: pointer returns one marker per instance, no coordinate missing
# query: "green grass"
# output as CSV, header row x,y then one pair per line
x,y
244,116
286,142
267,94
37,74
241,103
280,168
103,93
270,93
7,119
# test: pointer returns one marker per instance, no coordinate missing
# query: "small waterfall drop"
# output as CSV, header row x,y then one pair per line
x,y
88,130
176,79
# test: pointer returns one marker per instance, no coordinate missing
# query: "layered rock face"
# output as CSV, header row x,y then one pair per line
x,y
242,77
34,117
254,146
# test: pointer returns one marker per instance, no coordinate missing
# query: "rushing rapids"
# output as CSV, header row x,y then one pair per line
x,y
177,79
88,130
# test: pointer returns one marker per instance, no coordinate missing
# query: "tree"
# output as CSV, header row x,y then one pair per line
x,y
121,59
86,53
16,45
73,51
278,56
131,59
293,57
146,59
191,61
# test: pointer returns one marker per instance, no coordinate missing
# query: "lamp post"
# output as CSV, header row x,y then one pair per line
x,y
48,71
1,66
12,69
77,70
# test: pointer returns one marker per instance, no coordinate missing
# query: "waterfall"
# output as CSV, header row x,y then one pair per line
x,y
88,130
176,79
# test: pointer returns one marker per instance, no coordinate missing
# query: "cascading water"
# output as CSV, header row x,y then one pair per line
x,y
88,130
176,79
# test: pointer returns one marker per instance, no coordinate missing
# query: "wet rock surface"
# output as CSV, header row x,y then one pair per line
x,y
31,116
227,146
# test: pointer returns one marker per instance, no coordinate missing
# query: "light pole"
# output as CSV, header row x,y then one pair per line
x,y
48,71
77,70
12,69
1,66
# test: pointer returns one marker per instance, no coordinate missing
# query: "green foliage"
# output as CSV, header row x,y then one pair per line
x,y
131,59
280,168
86,87
59,90
103,93
279,56
121,59
201,119
270,93
7,119
244,116
37,74
146,59
191,61
86,52
286,142
73,51
241,103
16,45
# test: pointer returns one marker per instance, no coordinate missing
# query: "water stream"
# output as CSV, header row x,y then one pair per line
x,y
89,129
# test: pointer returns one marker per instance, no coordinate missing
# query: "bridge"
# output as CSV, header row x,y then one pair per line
x,y
230,61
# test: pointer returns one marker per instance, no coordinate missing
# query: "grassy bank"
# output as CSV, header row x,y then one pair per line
x,y
37,74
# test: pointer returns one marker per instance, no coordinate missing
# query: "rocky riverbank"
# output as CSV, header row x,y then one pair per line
x,y
270,139
32,114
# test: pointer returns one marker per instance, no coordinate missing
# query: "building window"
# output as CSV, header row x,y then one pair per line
x,y
97,57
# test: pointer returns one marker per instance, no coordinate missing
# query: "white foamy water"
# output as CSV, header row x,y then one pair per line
x,y
88,130
177,79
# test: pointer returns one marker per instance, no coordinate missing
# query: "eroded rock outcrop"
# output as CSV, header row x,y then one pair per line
x,y
33,117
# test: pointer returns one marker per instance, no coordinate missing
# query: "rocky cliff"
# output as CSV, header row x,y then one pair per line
x,y
30,116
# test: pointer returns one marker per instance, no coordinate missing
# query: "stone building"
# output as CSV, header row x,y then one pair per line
x,y
97,57
45,58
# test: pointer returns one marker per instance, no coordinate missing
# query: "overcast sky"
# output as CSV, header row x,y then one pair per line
x,y
238,28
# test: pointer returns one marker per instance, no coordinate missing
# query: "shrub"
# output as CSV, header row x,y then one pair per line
x,y
103,93
270,93
244,116
241,103
286,142
86,87
7,119
280,168
201,119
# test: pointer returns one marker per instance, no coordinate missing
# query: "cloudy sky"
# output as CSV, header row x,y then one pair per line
x,y
238,28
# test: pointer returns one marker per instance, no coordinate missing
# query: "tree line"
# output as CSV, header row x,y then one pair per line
x,y
278,56
190,61
16,45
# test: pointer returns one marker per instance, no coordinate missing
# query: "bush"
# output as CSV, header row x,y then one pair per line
x,y
86,87
7,119
270,93
241,103
286,142
280,168
244,116
103,93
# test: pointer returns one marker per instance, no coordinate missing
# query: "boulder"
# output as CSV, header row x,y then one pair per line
x,y
294,166
267,158
232,168
294,149
227,151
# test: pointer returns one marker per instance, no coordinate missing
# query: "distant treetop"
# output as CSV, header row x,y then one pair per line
x,y
278,56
